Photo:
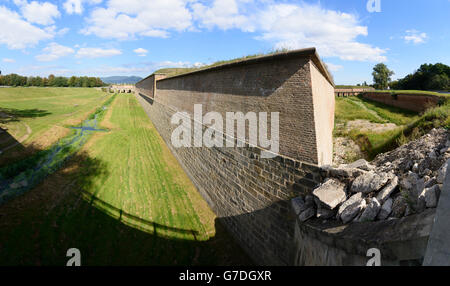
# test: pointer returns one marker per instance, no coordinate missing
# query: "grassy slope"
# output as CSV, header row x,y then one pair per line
x,y
45,112
412,125
42,108
109,201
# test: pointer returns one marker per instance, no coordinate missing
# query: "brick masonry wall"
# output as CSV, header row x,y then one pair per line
x,y
418,103
282,86
147,86
249,194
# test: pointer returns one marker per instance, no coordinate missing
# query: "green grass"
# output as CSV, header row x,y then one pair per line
x,y
349,110
43,108
122,200
411,125
390,114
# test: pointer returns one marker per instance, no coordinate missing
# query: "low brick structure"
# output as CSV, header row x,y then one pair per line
x,y
122,88
345,92
250,194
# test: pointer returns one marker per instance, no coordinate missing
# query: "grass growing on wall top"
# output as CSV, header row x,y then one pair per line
x,y
178,71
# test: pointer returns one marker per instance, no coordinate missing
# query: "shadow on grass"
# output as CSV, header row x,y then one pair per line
x,y
8,115
7,141
39,226
389,108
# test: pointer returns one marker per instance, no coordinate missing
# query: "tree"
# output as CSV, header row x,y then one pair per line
x,y
72,81
381,76
427,77
51,80
56,81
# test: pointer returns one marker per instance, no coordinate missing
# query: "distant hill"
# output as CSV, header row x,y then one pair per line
x,y
121,79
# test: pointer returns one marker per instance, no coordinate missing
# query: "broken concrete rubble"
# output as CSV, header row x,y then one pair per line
x,y
331,193
371,211
399,207
386,209
369,182
352,211
431,196
399,183
353,199
384,194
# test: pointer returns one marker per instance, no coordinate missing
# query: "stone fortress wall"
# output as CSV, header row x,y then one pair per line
x,y
250,194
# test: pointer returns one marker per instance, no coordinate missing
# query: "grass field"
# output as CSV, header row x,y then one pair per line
x,y
410,124
37,117
122,200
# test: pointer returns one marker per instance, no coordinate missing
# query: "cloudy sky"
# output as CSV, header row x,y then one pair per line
x,y
136,37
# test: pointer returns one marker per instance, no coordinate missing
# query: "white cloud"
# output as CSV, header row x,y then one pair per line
x,y
73,7
292,26
40,13
76,6
16,33
415,37
141,52
97,53
333,67
6,60
63,31
53,52
128,19
332,33
224,14
20,2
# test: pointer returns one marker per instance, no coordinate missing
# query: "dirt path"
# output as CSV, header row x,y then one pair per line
x,y
373,112
365,125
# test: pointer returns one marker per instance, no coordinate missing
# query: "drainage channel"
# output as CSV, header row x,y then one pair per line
x,y
17,178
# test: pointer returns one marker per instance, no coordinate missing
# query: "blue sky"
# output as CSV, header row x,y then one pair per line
x,y
136,37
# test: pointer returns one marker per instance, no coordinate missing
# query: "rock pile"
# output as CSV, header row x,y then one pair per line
x,y
399,183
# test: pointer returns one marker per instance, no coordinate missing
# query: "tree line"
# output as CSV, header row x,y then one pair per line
x,y
427,77
50,81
